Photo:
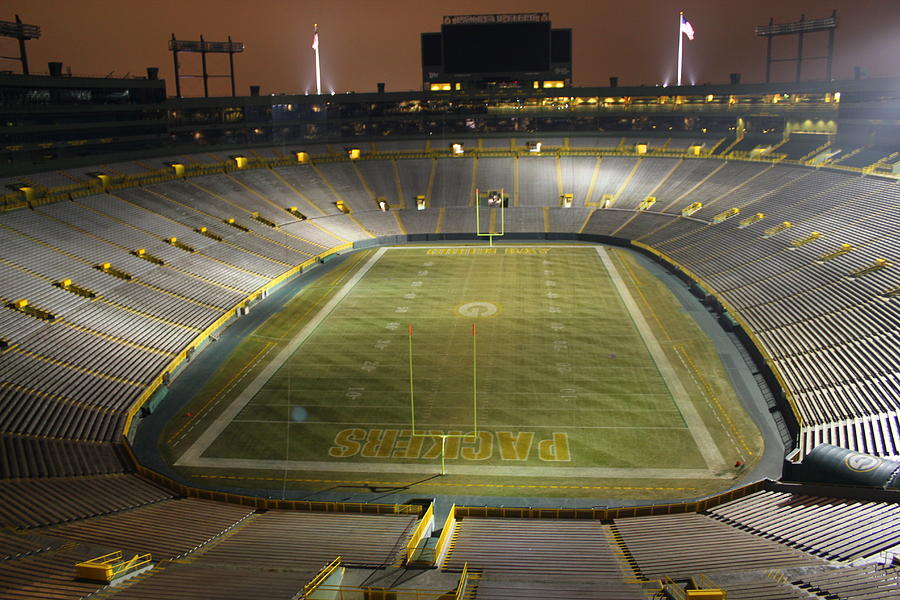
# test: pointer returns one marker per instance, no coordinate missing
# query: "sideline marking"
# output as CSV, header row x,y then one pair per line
x,y
213,401
710,394
340,273
453,469
409,484
708,449
205,440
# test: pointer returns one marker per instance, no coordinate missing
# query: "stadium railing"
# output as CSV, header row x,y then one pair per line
x,y
39,195
422,531
321,578
443,544
43,195
605,514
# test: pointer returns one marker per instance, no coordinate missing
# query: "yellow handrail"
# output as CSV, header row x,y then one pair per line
x,y
463,581
321,576
446,536
423,529
604,514
107,567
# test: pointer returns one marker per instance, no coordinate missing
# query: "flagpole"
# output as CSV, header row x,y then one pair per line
x,y
680,42
318,68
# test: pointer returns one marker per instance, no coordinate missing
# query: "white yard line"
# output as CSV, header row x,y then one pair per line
x,y
192,454
518,426
456,469
708,448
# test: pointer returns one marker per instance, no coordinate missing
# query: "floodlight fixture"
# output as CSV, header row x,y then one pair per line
x,y
19,30
22,32
204,47
799,28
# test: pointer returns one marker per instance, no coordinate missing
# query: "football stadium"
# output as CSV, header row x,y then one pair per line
x,y
502,337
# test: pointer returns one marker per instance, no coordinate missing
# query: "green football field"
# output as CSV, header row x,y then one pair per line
x,y
534,370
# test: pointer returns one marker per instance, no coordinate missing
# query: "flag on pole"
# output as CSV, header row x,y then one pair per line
x,y
315,44
686,28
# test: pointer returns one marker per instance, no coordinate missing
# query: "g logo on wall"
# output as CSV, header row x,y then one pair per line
x,y
861,462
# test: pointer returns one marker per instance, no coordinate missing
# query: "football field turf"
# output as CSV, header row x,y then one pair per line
x,y
551,370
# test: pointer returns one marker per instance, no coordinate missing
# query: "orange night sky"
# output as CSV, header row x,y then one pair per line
x,y
367,41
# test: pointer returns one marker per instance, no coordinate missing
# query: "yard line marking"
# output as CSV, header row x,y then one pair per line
x,y
705,444
206,439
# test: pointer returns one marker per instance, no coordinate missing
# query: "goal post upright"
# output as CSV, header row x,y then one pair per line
x,y
490,233
412,403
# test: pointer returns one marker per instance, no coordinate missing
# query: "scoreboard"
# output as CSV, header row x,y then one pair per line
x,y
505,50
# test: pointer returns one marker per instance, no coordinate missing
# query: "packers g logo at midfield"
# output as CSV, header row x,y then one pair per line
x,y
861,463
478,309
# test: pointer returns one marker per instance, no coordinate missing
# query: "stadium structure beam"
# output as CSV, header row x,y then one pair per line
x,y
203,47
800,29
22,32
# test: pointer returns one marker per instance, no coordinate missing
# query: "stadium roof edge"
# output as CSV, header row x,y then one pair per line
x,y
882,84
8,80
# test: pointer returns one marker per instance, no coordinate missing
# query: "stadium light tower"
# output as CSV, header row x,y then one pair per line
x,y
204,48
799,28
22,32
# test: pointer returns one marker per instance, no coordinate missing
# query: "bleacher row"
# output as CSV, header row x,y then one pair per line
x,y
743,546
738,545
200,548
828,527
